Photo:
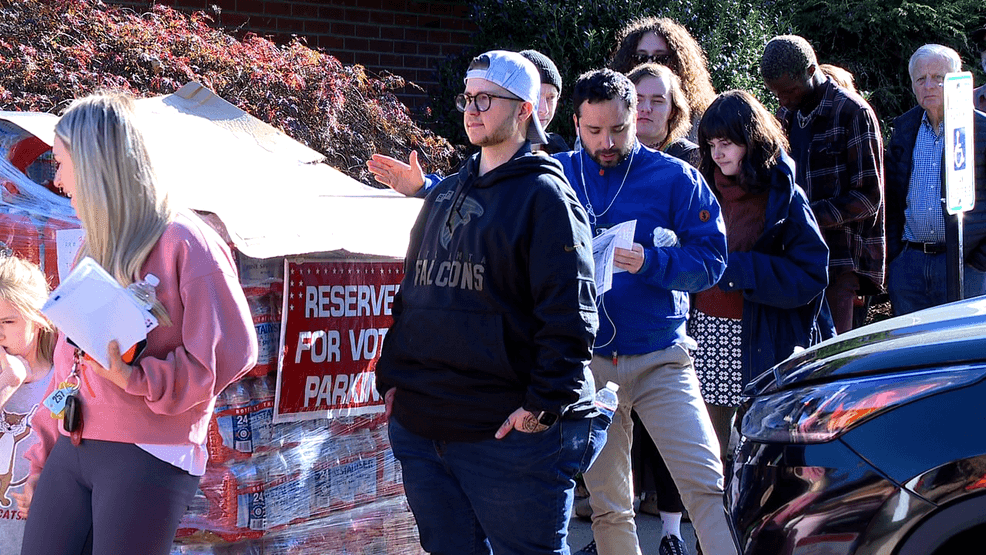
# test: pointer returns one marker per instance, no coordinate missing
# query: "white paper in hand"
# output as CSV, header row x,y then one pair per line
x,y
604,248
92,308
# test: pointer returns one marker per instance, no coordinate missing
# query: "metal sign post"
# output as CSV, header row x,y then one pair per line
x,y
960,184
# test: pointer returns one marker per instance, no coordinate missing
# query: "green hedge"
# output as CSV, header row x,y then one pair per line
x,y
579,35
874,39
871,38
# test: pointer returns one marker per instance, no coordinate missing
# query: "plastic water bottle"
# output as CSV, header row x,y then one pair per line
x,y
143,290
241,403
606,400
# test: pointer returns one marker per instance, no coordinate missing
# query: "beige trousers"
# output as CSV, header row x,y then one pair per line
x,y
664,390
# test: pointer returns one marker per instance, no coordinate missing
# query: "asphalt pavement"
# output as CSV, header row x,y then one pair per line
x,y
649,534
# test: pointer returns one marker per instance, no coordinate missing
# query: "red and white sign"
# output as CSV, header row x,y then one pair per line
x,y
336,315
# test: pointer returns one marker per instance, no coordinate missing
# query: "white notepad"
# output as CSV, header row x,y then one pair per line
x,y
92,308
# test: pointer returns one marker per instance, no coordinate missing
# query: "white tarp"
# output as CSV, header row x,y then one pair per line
x,y
273,193
39,124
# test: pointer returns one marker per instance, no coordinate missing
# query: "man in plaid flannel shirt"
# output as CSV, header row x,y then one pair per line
x,y
838,150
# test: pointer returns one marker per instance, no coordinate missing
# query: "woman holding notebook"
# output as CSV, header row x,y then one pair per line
x,y
117,465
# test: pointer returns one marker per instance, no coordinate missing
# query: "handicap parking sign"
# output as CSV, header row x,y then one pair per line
x,y
960,190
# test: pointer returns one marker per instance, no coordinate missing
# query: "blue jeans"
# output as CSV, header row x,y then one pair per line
x,y
918,281
507,496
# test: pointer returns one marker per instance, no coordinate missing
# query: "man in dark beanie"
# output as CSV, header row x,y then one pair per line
x,y
550,91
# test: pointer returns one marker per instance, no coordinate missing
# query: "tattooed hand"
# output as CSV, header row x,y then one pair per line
x,y
532,425
522,421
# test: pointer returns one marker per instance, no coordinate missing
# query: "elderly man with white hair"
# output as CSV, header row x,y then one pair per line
x,y
922,239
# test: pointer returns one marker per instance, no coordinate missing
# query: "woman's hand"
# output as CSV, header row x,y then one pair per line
x,y
24,499
119,371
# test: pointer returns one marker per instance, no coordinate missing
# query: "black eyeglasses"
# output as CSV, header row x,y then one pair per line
x,y
482,100
663,59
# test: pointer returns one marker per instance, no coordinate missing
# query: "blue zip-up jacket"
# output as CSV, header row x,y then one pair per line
x,y
497,307
783,278
646,311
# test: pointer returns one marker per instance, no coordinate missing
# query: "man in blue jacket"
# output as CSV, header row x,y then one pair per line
x,y
922,239
679,248
485,369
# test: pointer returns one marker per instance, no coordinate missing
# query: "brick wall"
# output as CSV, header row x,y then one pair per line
x,y
409,38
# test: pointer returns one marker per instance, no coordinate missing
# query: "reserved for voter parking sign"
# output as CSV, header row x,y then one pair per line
x,y
960,185
336,315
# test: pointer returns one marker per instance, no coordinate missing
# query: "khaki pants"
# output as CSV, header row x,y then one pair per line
x,y
664,390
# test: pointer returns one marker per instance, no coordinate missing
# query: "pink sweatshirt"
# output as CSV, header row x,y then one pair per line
x,y
172,391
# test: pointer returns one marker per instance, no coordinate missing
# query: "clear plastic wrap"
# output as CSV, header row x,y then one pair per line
x,y
306,487
267,322
286,490
30,213
382,528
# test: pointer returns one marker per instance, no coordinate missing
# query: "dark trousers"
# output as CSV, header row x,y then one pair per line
x,y
918,281
841,296
510,496
107,498
649,471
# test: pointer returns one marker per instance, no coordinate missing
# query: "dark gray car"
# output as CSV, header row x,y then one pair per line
x,y
870,443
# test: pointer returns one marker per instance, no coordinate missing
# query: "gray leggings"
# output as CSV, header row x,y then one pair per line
x,y
108,498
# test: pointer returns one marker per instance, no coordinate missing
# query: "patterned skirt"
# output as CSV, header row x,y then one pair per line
x,y
718,360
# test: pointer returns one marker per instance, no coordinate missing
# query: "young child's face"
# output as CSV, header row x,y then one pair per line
x,y
727,155
18,336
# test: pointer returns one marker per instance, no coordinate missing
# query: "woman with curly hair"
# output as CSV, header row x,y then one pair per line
x,y
667,42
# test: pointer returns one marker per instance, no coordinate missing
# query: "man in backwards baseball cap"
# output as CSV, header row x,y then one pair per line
x,y
485,369
502,82
515,74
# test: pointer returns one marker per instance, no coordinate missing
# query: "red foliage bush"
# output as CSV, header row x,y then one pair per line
x,y
52,51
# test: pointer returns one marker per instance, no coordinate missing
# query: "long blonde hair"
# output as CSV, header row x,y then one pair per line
x,y
124,211
24,287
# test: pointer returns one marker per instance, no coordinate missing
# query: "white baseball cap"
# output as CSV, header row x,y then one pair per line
x,y
518,75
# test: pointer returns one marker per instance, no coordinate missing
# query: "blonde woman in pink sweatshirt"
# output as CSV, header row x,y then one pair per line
x,y
121,480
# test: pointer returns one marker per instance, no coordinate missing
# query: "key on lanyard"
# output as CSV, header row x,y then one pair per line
x,y
56,401
65,403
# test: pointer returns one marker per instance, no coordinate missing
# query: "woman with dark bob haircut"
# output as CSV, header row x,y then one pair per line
x,y
770,300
